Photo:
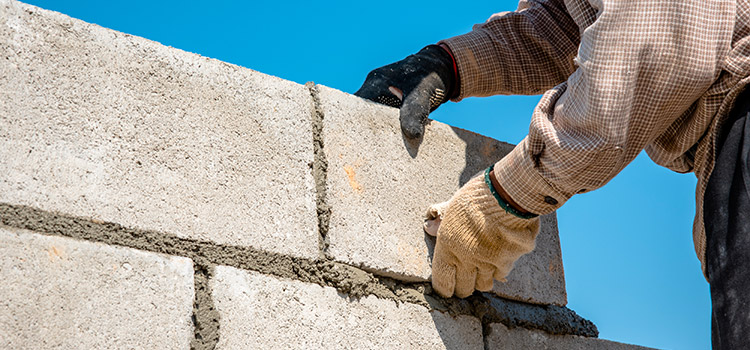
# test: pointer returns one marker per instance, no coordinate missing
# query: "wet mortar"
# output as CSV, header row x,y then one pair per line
x,y
206,319
347,279
319,169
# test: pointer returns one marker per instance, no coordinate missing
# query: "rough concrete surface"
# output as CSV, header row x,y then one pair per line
x,y
62,293
122,141
349,280
379,186
502,338
538,277
259,311
346,279
113,127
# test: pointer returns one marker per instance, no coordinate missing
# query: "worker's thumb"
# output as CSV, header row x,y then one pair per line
x,y
433,217
427,94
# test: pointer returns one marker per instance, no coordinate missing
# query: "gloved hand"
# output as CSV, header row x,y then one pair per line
x,y
477,240
417,85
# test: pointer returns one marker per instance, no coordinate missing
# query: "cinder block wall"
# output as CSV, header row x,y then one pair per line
x,y
152,198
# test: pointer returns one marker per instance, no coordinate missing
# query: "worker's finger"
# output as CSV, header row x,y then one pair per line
x,y
485,279
500,275
417,105
431,227
443,271
466,277
436,211
412,120
433,218
444,280
397,92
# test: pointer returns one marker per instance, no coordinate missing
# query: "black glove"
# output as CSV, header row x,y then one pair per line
x,y
426,79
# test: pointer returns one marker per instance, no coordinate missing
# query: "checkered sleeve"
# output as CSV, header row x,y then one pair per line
x,y
640,66
523,52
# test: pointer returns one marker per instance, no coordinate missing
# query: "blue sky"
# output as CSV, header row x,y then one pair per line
x,y
627,248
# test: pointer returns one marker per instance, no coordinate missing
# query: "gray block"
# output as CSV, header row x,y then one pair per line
x,y
61,293
379,186
259,311
502,338
538,277
113,127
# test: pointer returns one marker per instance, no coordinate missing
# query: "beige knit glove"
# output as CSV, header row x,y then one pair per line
x,y
477,240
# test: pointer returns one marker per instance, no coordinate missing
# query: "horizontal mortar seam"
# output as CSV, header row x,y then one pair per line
x,y
347,279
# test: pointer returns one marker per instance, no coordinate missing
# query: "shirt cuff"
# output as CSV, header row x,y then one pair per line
x,y
468,50
520,178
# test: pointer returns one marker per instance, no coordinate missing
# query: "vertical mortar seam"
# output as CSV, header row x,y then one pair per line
x,y
320,172
485,333
205,316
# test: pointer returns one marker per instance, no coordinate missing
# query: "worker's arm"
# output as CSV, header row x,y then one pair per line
x,y
640,67
523,52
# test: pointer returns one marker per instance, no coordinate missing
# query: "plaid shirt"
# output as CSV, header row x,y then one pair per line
x,y
618,77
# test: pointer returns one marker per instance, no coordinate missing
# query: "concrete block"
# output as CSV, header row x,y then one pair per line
x,y
379,186
108,126
259,311
502,338
538,277
61,293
